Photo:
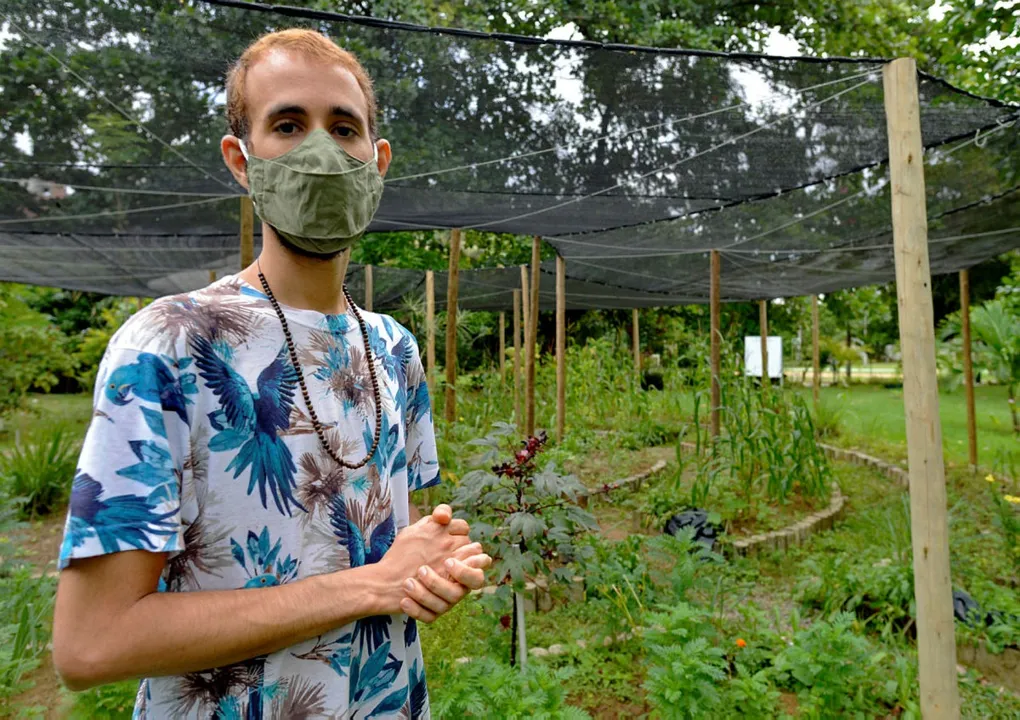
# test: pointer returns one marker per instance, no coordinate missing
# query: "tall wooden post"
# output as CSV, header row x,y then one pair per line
x,y
968,369
763,328
212,276
368,288
451,327
635,340
517,358
536,258
247,232
936,645
561,346
716,353
502,345
816,357
430,329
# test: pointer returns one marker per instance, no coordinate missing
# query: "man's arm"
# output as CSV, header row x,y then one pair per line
x,y
110,623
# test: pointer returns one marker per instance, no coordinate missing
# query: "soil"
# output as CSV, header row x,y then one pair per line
x,y
610,708
46,692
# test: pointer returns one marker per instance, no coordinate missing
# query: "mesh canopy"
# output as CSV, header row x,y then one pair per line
x,y
633,163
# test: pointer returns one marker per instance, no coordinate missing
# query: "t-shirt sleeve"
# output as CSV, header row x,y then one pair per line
x,y
422,457
127,486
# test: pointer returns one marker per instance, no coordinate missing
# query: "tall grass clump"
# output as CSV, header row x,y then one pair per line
x,y
39,475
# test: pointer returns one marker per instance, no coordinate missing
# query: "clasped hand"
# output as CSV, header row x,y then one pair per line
x,y
436,564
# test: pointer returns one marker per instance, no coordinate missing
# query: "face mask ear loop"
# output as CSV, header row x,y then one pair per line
x,y
244,150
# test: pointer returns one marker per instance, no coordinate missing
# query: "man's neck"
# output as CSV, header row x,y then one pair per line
x,y
298,281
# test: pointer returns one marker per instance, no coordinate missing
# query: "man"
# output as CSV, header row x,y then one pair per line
x,y
233,531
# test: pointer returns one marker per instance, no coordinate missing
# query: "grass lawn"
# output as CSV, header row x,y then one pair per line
x,y
872,417
45,413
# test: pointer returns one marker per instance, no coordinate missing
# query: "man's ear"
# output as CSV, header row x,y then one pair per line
x,y
385,155
233,158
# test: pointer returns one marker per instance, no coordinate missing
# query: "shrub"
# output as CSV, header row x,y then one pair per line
x,y
489,689
40,475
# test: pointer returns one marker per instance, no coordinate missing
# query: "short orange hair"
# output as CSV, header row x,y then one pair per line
x,y
305,42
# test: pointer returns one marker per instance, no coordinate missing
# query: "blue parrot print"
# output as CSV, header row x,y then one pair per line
x,y
117,522
200,447
252,421
150,379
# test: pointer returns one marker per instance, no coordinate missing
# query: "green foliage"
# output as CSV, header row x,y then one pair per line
x,y
685,671
25,607
31,351
41,474
1007,520
106,702
93,341
527,518
834,672
487,688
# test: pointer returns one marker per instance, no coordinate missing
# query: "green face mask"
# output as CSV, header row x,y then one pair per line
x,y
317,197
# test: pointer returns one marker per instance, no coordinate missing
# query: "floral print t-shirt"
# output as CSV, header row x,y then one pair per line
x,y
201,447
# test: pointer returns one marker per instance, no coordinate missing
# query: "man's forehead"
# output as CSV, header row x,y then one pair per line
x,y
283,77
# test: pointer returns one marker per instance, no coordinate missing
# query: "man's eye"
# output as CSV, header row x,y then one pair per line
x,y
286,128
344,131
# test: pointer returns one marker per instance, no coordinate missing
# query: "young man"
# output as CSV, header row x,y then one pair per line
x,y
235,532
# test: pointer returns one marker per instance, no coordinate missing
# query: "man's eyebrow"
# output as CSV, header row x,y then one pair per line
x,y
287,110
346,112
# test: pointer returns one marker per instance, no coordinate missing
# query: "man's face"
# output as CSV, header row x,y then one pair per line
x,y
290,95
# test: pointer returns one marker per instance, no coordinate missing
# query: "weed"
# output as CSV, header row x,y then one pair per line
x,y
40,474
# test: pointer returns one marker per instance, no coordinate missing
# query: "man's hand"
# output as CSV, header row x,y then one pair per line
x,y
434,590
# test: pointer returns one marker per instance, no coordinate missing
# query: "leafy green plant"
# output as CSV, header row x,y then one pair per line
x,y
834,672
26,603
1007,520
40,474
486,688
828,417
527,518
106,702
685,671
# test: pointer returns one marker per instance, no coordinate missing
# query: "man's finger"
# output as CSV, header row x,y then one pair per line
x,y
443,514
420,590
442,587
416,611
463,553
468,573
458,527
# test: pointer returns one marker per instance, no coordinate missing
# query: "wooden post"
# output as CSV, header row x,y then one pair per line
x,y
936,643
561,346
536,256
522,423
368,288
635,340
430,328
502,345
247,232
763,328
716,342
517,357
451,327
212,276
816,357
968,368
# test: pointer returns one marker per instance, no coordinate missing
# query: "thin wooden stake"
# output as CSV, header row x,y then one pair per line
x,y
247,232
369,288
517,358
635,339
536,257
763,328
212,276
522,634
816,357
716,352
561,346
936,643
968,369
430,329
451,326
525,355
502,345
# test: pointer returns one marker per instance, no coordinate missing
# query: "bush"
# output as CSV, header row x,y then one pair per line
x,y
489,689
40,475
32,352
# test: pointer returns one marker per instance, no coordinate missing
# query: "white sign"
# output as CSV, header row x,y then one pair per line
x,y
752,356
